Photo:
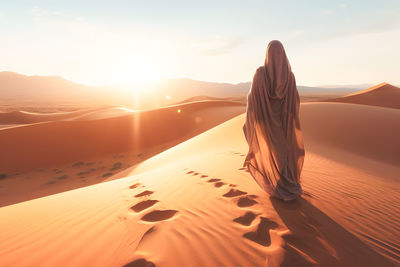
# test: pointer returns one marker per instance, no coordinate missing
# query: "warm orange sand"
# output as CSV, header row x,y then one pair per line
x,y
23,117
194,205
106,131
86,147
383,95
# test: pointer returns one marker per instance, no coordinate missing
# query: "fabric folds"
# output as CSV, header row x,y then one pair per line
x,y
272,128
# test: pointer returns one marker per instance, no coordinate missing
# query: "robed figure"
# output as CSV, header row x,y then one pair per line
x,y
272,128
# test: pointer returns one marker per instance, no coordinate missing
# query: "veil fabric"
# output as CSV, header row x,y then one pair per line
x,y
272,128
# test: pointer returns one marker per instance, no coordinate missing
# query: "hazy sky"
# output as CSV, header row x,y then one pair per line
x,y
124,42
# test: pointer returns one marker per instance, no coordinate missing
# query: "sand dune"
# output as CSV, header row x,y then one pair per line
x,y
108,131
367,131
241,99
105,113
24,117
194,205
52,157
383,95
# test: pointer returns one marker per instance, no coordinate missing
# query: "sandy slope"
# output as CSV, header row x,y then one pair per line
x,y
383,95
108,131
48,158
367,131
193,205
23,117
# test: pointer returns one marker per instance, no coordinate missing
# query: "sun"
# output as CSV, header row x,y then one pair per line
x,y
137,73
138,76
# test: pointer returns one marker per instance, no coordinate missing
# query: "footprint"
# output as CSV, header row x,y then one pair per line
x,y
144,193
190,172
203,176
143,205
62,177
196,173
158,215
219,184
134,186
246,219
85,172
246,202
213,180
107,174
242,169
140,263
234,193
78,164
116,166
261,235
232,185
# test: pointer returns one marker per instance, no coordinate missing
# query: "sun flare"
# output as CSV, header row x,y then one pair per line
x,y
137,76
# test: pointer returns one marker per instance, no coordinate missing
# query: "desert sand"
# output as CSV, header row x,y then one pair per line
x,y
193,204
86,147
383,95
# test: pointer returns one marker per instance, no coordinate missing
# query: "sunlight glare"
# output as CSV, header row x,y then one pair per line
x,y
137,76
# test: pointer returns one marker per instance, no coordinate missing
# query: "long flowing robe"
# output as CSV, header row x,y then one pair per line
x,y
272,128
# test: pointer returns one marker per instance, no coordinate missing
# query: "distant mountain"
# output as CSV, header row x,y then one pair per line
x,y
327,90
178,90
383,95
360,86
240,99
48,89
16,87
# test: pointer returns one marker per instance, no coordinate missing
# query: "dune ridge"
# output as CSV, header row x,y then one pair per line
x,y
121,130
24,117
194,205
368,131
383,95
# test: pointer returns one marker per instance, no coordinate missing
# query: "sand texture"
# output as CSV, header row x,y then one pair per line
x,y
193,204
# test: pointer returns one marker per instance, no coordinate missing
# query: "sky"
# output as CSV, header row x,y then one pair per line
x,y
118,42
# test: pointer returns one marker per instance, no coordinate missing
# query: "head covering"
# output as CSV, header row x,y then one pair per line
x,y
272,128
278,70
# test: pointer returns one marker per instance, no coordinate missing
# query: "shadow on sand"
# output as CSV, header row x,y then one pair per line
x,y
315,238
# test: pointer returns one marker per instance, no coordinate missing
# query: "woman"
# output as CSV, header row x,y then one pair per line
x,y
272,127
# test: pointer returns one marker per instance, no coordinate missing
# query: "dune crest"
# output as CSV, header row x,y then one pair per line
x,y
108,131
169,211
383,95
